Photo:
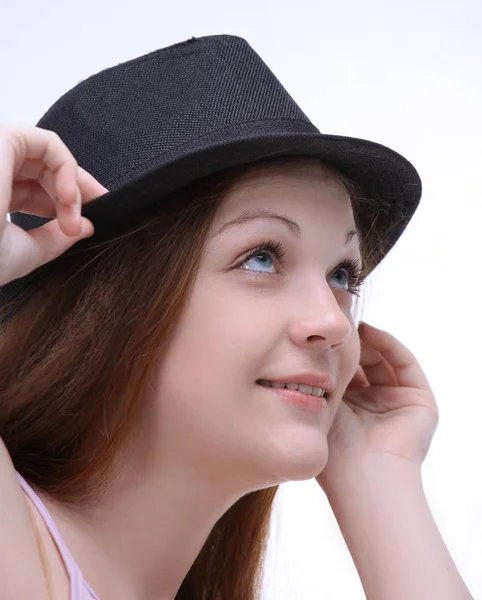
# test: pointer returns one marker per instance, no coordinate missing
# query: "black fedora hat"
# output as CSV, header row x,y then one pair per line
x,y
150,125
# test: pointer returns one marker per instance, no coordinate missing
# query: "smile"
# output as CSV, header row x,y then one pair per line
x,y
305,389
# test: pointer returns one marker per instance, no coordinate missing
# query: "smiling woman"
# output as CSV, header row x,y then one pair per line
x,y
131,412
213,301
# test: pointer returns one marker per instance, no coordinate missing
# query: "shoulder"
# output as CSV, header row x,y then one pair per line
x,y
21,570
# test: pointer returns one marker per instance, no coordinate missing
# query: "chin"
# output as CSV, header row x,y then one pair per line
x,y
302,462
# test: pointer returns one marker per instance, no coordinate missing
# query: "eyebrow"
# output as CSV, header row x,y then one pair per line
x,y
260,213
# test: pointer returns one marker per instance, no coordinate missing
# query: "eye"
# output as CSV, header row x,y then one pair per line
x,y
269,248
355,275
354,271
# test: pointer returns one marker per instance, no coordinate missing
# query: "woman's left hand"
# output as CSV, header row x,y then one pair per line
x,y
388,411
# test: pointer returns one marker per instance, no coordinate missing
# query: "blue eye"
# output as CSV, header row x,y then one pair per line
x,y
355,276
270,248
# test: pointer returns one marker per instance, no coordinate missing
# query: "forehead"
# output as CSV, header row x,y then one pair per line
x,y
301,188
308,201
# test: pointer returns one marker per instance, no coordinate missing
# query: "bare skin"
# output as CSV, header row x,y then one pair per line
x,y
211,434
40,177
215,435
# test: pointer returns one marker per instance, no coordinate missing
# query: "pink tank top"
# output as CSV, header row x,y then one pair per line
x,y
79,588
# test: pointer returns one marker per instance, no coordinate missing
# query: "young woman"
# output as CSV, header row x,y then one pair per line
x,y
165,368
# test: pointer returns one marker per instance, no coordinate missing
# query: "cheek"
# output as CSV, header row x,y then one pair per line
x,y
221,333
205,381
349,361
354,351
212,355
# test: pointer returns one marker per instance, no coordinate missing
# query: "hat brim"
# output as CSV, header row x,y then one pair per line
x,y
382,175
385,177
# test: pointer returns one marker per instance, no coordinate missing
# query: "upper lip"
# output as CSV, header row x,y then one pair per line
x,y
321,380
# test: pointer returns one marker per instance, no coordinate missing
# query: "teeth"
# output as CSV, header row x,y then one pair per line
x,y
306,389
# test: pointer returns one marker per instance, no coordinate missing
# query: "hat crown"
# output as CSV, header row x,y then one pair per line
x,y
153,124
116,121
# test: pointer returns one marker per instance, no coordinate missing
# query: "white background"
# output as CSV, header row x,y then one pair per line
x,y
406,74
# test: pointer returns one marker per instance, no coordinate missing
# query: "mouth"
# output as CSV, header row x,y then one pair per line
x,y
296,397
305,390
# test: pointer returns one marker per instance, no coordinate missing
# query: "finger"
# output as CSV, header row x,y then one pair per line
x,y
31,198
7,160
89,187
376,368
35,198
393,354
34,173
40,154
27,151
359,380
381,399
33,248
37,151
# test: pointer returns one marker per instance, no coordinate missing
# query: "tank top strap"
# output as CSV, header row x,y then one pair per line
x,y
77,581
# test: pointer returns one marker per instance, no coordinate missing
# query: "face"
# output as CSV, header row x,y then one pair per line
x,y
264,317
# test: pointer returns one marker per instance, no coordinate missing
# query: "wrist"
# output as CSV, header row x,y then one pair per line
x,y
384,517
362,479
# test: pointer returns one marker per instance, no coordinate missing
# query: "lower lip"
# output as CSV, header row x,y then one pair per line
x,y
306,401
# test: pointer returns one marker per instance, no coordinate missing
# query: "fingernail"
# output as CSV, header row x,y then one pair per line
x,y
86,230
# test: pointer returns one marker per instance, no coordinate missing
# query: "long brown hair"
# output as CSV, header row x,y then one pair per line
x,y
76,359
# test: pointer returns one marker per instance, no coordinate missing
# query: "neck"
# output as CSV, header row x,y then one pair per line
x,y
143,535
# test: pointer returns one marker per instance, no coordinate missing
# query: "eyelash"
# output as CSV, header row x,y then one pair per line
x,y
354,268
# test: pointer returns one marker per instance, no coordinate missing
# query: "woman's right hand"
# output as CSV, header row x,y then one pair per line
x,y
40,176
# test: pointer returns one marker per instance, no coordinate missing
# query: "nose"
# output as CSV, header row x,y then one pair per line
x,y
326,325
